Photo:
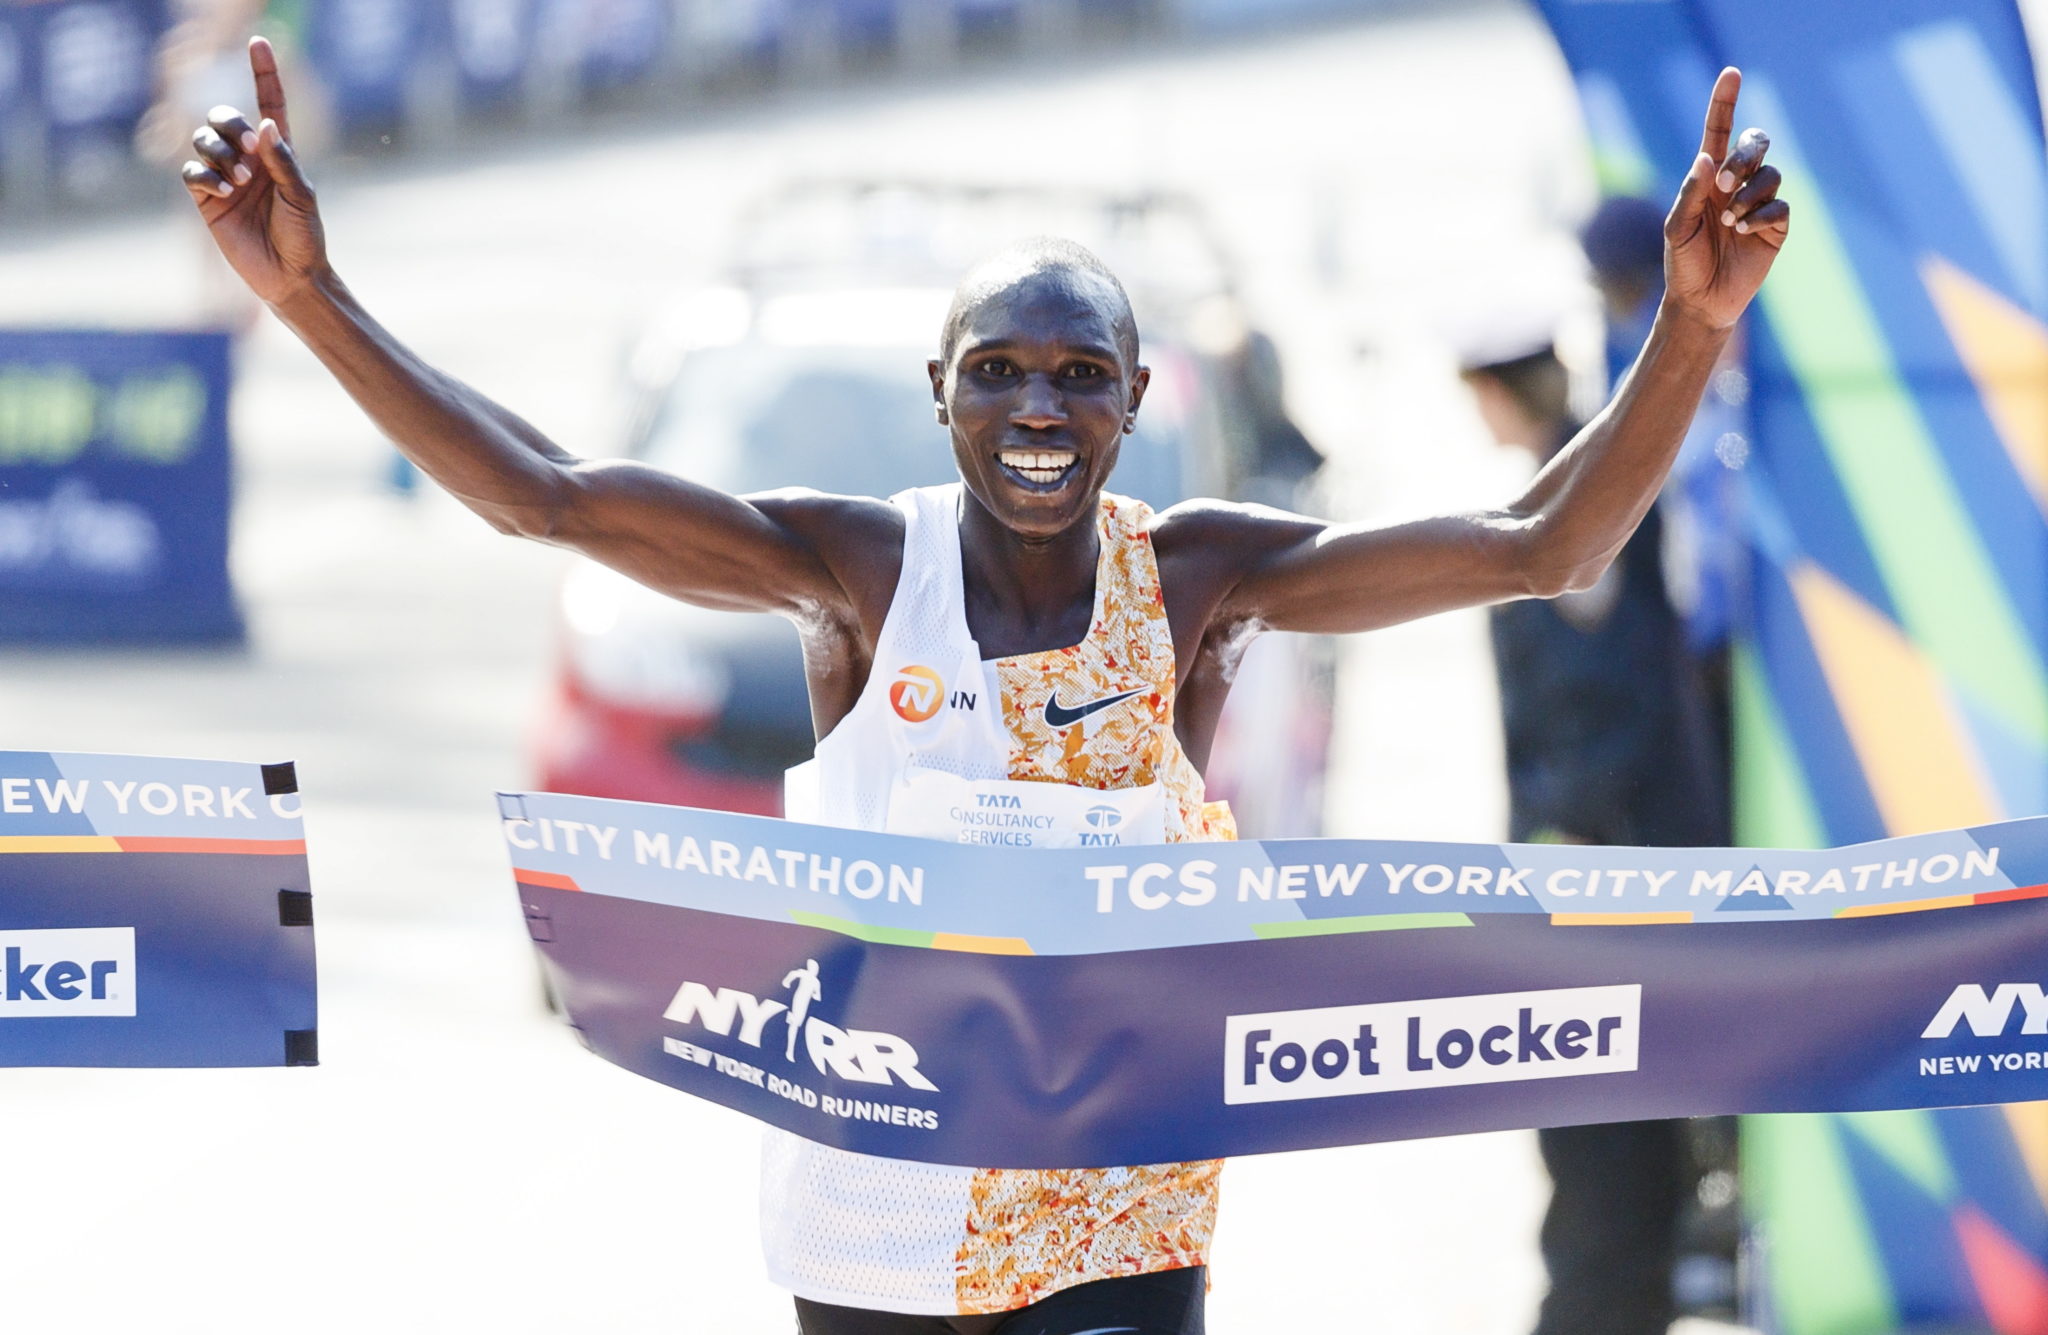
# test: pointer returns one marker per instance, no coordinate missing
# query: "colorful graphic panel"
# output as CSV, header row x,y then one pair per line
x,y
1891,677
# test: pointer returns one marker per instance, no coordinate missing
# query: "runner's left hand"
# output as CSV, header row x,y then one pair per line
x,y
1728,223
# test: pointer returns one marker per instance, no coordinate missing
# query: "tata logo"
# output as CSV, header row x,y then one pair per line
x,y
1989,1014
1102,820
73,971
1002,801
862,1055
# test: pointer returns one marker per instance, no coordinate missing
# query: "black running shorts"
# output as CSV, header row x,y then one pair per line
x,y
1167,1302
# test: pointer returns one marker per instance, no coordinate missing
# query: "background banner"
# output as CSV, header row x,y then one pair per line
x,y
153,912
962,1004
1891,672
114,487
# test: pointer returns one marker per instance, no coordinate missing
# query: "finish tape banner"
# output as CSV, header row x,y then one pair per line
x,y
153,912
981,1005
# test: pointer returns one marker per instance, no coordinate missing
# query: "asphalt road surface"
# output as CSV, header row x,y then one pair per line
x,y
457,1163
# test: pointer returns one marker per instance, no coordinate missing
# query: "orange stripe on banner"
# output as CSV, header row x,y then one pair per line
x,y
267,847
58,843
546,879
2006,352
981,945
1906,906
2004,896
1615,919
1916,752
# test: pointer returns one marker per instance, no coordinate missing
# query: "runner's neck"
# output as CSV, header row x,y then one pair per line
x,y
1026,595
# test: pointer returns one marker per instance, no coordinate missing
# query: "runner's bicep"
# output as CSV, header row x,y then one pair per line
x,y
1343,578
689,541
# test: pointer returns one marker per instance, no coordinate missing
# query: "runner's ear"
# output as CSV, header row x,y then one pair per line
x,y
937,373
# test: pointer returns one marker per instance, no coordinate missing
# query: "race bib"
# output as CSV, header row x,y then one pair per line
x,y
1006,813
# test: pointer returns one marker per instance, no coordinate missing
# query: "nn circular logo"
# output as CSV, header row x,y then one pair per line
x,y
916,694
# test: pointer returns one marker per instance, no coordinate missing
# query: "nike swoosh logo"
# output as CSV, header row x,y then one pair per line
x,y
1058,715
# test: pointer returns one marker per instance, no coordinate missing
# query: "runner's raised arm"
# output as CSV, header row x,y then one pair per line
x,y
1720,239
686,540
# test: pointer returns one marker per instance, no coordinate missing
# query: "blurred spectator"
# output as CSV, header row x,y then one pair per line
x,y
1704,559
1607,743
1284,459
1624,245
201,63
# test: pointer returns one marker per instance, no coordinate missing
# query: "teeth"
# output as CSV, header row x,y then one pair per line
x,y
1038,465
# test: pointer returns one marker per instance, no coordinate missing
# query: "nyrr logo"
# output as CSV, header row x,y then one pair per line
x,y
1989,1014
1339,1050
916,694
68,972
851,1054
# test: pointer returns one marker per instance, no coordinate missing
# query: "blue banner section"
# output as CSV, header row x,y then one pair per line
x,y
153,912
88,64
964,1004
368,53
114,487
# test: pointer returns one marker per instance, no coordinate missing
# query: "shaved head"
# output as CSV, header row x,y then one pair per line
x,y
1042,262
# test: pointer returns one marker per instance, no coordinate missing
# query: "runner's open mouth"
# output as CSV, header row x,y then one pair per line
x,y
1039,469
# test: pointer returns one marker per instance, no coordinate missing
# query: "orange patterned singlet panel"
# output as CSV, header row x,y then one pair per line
x,y
1098,714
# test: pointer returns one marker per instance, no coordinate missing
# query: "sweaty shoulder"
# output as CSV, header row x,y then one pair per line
x,y
1223,541
859,539
1207,548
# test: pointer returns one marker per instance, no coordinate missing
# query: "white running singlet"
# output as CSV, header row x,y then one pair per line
x,y
1069,731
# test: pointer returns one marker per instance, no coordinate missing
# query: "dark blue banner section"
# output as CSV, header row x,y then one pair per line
x,y
1237,1047
155,959
114,487
79,67
153,912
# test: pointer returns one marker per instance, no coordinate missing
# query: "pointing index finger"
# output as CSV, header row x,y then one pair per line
x,y
1721,114
269,88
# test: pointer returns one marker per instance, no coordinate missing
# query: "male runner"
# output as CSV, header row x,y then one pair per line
x,y
1042,576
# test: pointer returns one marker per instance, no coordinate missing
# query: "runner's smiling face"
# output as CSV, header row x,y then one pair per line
x,y
1037,390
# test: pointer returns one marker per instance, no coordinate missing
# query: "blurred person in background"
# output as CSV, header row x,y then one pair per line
x,y
1286,458
1078,603
1700,508
202,62
1608,742
1703,556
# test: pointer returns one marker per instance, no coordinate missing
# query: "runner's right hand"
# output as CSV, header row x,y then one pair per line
x,y
249,190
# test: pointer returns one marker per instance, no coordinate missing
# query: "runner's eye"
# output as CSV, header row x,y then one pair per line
x,y
995,366
1083,371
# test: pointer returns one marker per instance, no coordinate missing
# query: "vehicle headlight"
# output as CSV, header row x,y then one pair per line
x,y
633,648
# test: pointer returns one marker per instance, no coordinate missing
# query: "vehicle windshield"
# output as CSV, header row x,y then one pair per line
x,y
852,420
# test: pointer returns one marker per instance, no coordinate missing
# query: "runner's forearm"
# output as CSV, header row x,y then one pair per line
x,y
1584,504
483,454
